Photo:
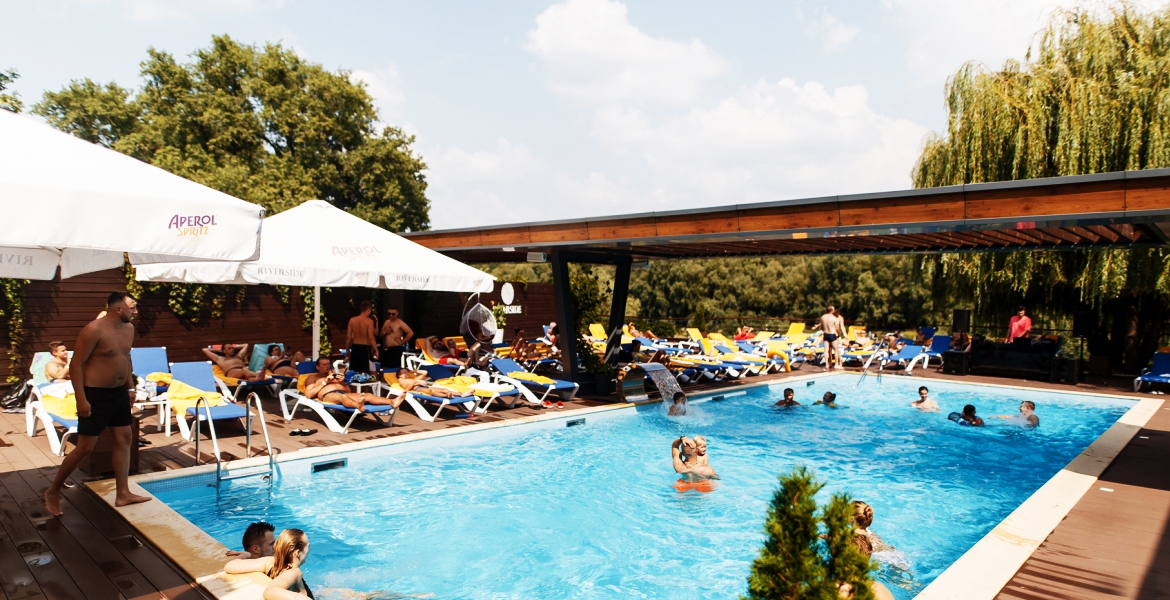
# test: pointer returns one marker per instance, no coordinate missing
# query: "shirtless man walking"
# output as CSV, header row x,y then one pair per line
x,y
104,387
360,339
828,324
395,335
232,363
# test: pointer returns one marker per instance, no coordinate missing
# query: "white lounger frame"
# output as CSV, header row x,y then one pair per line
x,y
33,412
326,416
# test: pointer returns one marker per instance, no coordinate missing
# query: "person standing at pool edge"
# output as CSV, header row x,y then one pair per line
x,y
828,326
104,387
360,339
396,334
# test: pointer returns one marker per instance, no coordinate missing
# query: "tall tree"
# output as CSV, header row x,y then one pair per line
x,y
9,101
260,123
1091,98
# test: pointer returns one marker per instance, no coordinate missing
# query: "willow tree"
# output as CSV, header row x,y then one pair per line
x,y
1092,96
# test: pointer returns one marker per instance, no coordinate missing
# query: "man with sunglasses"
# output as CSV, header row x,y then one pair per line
x,y
395,335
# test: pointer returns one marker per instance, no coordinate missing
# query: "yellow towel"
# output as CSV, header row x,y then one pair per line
x,y
66,407
534,378
465,383
159,378
183,396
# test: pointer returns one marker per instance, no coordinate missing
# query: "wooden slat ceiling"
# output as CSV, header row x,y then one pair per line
x,y
1112,209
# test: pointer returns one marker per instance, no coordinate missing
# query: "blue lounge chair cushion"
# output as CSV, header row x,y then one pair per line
x,y
905,353
227,411
938,345
1159,371
437,372
144,361
370,408
62,421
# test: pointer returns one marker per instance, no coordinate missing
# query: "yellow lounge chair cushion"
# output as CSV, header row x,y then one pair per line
x,y
534,378
597,331
66,407
718,337
465,383
183,396
763,335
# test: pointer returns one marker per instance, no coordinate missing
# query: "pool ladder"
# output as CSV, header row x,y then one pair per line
x,y
220,474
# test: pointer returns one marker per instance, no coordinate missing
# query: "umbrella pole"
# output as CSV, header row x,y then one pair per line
x,y
316,322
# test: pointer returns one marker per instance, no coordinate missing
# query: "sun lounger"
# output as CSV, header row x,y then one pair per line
x,y
938,345
1159,372
762,336
794,329
382,413
143,362
510,371
906,355
52,404
192,381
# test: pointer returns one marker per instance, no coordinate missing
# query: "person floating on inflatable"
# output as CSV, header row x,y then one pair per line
x,y
690,460
968,417
829,400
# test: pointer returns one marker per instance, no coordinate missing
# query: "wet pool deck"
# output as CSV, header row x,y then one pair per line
x,y
1111,545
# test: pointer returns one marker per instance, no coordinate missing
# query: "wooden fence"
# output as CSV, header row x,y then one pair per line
x,y
57,310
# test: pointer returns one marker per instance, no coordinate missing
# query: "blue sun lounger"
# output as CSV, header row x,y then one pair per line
x,y
938,345
1159,372
507,368
325,410
907,354
35,412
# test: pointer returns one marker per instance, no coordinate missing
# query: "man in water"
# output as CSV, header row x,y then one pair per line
x,y
1020,325
967,418
58,368
104,388
360,339
231,362
679,408
924,403
258,541
1026,416
396,334
789,398
829,400
687,460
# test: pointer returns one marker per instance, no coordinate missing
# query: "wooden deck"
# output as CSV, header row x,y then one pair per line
x,y
1113,544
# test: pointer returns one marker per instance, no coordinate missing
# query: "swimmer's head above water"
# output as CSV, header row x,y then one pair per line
x,y
700,445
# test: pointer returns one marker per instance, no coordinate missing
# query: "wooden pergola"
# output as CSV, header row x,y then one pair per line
x,y
1122,209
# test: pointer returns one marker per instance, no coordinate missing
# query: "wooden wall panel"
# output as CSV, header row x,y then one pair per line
x,y
1053,200
903,210
57,310
558,233
514,236
805,216
1147,195
622,229
698,224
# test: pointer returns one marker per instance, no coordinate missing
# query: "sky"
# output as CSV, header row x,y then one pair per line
x,y
534,110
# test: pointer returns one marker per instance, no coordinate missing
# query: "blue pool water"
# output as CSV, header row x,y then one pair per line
x,y
549,511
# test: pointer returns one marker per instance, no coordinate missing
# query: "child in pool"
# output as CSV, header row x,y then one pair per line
x,y
968,417
679,408
829,400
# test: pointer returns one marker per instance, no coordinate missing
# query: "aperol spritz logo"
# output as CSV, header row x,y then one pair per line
x,y
192,225
356,252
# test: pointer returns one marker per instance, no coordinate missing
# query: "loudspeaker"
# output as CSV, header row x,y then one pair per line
x,y
961,321
1082,324
956,363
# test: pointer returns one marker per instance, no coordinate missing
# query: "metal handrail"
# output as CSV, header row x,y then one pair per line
x,y
254,398
207,413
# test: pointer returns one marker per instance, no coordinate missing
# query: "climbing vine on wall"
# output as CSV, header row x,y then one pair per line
x,y
187,300
307,303
13,310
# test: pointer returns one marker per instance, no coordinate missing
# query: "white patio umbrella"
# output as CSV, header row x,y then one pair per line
x,y
319,245
69,203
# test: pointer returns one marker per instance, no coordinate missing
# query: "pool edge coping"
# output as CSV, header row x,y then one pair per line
x,y
201,557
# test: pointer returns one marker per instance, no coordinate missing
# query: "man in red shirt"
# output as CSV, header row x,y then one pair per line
x,y
1020,325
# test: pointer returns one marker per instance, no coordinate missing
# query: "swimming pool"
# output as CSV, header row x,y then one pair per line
x,y
546,510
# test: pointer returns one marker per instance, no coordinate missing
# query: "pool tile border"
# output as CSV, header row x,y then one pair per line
x,y
981,572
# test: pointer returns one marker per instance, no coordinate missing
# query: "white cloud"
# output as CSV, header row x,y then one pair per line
x,y
829,29
472,188
385,86
593,55
182,10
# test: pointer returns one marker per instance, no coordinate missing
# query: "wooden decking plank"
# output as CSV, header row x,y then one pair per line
x,y
46,567
16,580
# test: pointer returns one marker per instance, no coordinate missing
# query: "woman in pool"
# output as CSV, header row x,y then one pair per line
x,y
924,403
829,400
283,567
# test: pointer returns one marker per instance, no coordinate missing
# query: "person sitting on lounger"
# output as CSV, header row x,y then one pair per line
x,y
58,368
960,341
685,456
635,333
1026,417
894,343
679,408
419,381
789,398
231,362
446,356
258,540
279,362
330,388
924,403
